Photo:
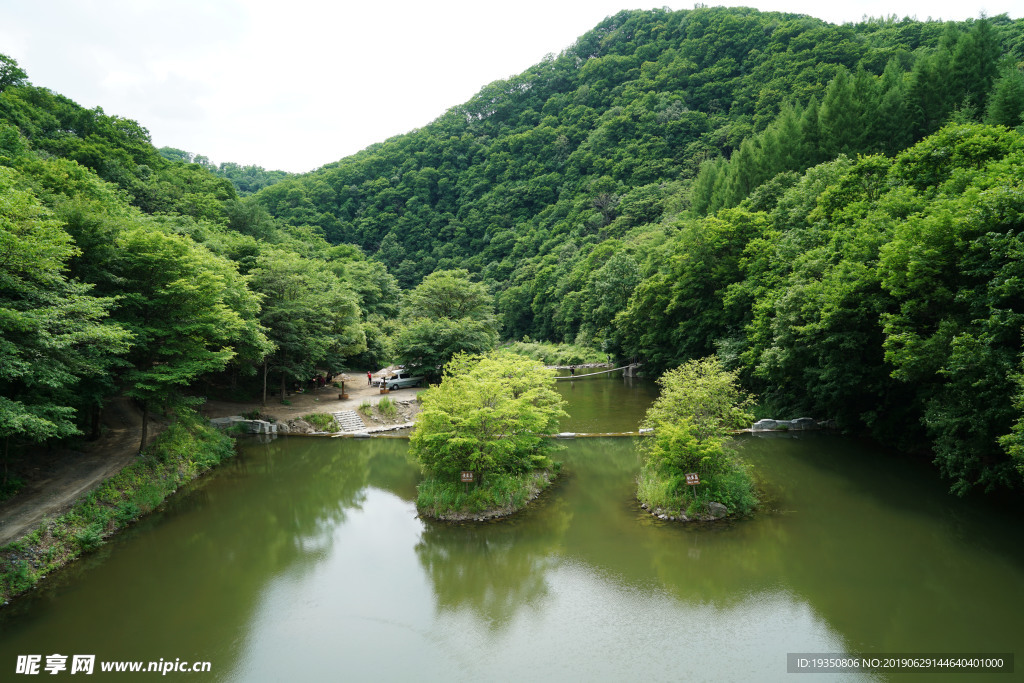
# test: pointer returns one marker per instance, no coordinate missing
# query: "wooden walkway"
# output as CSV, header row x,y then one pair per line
x,y
593,374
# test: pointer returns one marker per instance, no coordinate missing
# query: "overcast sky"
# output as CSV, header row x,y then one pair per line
x,y
296,84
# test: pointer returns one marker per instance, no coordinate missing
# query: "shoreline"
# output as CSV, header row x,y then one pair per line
x,y
542,481
186,450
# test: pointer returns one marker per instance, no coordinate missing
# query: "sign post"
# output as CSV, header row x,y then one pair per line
x,y
692,480
467,479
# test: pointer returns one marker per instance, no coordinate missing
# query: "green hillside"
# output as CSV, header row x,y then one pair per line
x,y
832,211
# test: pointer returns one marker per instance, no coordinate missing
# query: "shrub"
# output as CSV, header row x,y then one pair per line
x,y
90,538
322,421
490,414
387,407
126,513
699,405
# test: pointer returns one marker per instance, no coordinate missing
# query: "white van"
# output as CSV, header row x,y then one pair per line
x,y
401,380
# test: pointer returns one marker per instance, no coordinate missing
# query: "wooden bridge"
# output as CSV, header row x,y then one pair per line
x,y
594,374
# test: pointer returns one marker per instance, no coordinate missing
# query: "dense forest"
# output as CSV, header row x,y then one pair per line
x,y
832,211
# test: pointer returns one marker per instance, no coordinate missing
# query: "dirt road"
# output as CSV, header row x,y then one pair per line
x,y
60,477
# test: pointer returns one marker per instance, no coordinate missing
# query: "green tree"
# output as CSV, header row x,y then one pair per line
x,y
490,414
53,332
445,314
10,73
311,316
699,406
188,309
975,65
1006,103
450,294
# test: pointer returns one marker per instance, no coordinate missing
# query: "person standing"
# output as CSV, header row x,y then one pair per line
x,y
369,378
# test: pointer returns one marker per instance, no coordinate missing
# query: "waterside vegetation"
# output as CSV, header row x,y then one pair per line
x,y
561,354
492,416
185,450
834,212
700,406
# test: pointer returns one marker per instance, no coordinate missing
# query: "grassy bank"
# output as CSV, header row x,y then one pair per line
x,y
670,494
186,449
499,496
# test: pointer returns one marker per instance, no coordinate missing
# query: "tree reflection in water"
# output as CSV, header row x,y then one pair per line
x,y
495,569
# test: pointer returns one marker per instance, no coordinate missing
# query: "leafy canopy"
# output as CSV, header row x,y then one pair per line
x,y
444,315
489,414
53,332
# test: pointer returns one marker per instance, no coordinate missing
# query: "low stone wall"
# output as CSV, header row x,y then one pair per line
x,y
254,426
295,426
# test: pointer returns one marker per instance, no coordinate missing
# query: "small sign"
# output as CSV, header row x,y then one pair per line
x,y
467,477
692,479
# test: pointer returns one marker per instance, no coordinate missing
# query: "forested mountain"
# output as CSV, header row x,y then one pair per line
x,y
605,136
833,211
678,184
246,179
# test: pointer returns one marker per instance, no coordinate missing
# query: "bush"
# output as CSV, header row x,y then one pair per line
x,y
127,512
19,578
366,408
322,421
387,407
491,415
699,405
89,538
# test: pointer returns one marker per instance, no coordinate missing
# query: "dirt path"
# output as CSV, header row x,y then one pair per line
x,y
60,477
324,400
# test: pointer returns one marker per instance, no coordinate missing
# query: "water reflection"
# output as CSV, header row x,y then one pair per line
x,y
498,568
187,581
606,403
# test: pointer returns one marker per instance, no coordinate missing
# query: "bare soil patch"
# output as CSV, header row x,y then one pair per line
x,y
323,400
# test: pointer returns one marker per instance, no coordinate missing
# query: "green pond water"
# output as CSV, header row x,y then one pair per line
x,y
303,560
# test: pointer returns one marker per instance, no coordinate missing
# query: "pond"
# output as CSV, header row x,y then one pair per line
x,y
303,559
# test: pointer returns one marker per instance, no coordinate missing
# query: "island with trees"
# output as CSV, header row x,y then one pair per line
x,y
690,469
492,419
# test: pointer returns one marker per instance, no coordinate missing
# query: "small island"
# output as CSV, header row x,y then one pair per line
x,y
488,421
690,471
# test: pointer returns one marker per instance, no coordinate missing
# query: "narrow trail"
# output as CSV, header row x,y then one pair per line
x,y
63,476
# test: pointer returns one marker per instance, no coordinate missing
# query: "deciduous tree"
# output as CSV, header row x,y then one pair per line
x,y
489,414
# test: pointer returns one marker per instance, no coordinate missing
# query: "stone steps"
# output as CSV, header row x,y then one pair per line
x,y
349,421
